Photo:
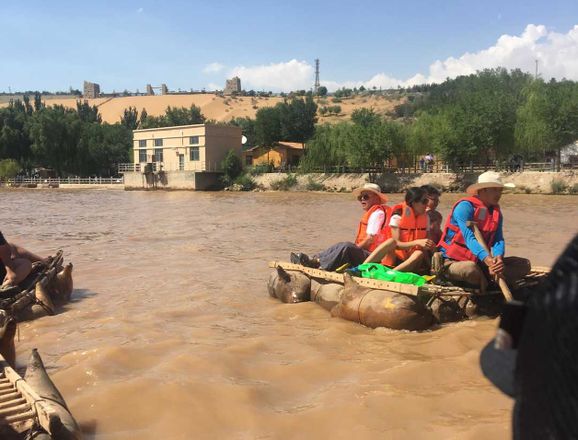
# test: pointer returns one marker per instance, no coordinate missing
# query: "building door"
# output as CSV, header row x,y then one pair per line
x,y
181,162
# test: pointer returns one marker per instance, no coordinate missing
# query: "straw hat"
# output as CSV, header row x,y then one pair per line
x,y
489,179
371,187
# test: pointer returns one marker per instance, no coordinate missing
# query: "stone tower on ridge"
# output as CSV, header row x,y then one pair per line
x,y
232,85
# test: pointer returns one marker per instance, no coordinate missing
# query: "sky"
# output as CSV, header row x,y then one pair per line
x,y
272,45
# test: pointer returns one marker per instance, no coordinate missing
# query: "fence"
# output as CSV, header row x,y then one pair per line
x,y
439,167
197,166
67,180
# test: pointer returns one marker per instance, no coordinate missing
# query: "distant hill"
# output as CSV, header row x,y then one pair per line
x,y
218,107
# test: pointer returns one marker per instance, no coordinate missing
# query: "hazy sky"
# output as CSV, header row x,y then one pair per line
x,y
272,45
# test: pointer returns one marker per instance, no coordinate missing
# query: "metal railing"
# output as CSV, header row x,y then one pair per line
x,y
199,166
67,180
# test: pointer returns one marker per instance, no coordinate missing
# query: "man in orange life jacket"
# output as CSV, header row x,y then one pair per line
x,y
465,259
371,232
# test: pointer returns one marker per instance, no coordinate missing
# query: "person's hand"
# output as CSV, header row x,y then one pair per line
x,y
498,266
426,243
495,266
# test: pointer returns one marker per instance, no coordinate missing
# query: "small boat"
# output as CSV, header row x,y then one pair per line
x,y
377,303
32,407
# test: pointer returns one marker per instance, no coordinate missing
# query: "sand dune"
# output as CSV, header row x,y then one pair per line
x,y
219,108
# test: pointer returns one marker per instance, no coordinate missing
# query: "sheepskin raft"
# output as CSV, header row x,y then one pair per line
x,y
32,407
377,303
48,285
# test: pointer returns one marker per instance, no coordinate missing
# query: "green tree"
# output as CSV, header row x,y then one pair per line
x,y
248,128
365,117
88,113
232,167
130,118
9,168
548,120
322,91
267,126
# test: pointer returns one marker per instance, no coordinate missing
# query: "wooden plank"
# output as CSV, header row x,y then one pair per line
x,y
407,289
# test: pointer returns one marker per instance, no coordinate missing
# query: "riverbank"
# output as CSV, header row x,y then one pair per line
x,y
527,182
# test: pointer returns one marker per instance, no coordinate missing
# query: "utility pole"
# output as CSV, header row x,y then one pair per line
x,y
536,74
316,86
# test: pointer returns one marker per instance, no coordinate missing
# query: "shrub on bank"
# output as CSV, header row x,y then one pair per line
x,y
284,184
312,185
261,169
574,189
246,182
558,186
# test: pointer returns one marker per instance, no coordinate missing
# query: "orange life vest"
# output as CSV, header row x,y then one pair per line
x,y
411,227
457,249
384,232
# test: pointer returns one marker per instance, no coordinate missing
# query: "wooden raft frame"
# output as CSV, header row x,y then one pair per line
x,y
19,403
407,289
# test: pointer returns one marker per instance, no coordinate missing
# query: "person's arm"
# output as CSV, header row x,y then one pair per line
x,y
421,243
6,252
394,226
499,246
374,224
463,213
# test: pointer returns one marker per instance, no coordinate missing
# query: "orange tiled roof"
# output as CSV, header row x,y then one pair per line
x,y
286,144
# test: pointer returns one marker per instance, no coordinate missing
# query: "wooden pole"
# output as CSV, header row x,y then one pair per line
x,y
501,282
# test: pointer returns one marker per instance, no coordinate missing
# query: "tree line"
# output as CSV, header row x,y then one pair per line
x,y
481,118
484,117
70,141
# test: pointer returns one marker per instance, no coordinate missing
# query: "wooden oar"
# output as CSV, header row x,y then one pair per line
x,y
501,282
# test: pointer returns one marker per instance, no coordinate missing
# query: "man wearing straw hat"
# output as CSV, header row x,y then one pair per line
x,y
371,232
465,259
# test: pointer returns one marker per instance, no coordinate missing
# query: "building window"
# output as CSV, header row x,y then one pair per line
x,y
142,156
158,154
158,142
142,143
195,153
194,140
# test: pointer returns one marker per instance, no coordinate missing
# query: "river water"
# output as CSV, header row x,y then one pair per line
x,y
171,333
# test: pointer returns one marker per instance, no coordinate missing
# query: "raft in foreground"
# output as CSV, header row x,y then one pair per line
x,y
47,285
32,407
377,303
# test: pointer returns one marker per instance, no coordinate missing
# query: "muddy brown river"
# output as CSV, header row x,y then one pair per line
x,y
171,333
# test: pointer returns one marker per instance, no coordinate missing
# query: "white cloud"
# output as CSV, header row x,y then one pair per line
x,y
213,68
557,56
292,75
214,86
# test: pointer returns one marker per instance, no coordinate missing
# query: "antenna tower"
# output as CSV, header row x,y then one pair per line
x,y
316,86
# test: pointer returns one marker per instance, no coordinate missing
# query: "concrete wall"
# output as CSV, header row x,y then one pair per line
x,y
219,140
172,180
535,182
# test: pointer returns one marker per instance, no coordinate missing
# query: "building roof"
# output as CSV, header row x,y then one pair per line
x,y
286,144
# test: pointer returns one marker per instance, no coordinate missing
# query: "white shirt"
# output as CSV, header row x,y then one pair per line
x,y
394,221
375,222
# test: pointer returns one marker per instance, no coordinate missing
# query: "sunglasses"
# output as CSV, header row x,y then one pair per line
x,y
363,197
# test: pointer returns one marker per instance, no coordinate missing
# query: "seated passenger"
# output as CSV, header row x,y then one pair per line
x,y
371,232
408,248
465,258
435,218
15,262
